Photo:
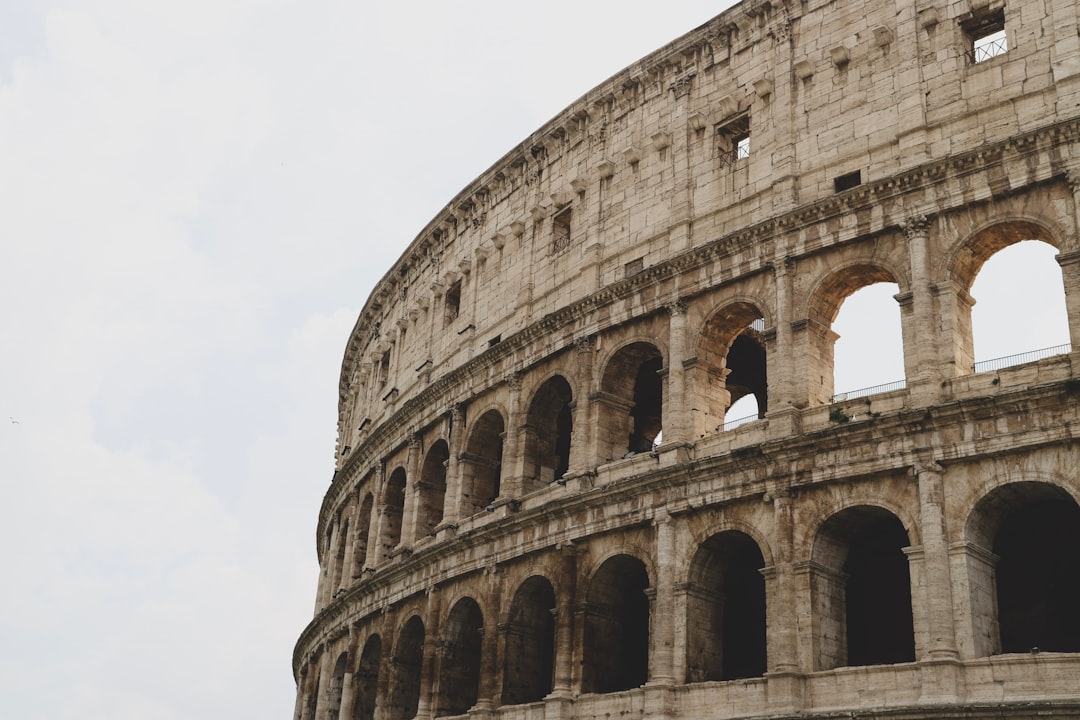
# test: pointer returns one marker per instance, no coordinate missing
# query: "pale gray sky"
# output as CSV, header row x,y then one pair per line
x,y
196,199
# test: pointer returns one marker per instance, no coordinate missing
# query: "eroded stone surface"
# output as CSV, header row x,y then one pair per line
x,y
537,510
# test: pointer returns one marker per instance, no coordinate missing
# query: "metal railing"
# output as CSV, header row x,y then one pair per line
x,y
864,392
989,46
732,424
1020,359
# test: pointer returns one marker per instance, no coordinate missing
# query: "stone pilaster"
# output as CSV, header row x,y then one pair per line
x,y
676,416
412,493
661,668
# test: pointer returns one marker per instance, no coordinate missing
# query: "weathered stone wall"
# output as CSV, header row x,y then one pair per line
x,y
537,510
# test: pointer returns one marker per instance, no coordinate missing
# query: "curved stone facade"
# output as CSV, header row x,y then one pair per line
x,y
540,508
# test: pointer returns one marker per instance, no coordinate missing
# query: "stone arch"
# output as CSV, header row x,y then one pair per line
x,y
366,681
432,488
824,302
460,658
967,258
615,655
725,606
548,431
631,400
1022,554
968,255
481,463
392,508
529,661
729,363
861,589
408,659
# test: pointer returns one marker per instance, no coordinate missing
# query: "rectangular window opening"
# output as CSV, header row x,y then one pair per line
x,y
847,181
453,302
986,36
560,230
733,139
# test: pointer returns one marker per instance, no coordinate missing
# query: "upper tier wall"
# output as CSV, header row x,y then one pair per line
x,y
649,166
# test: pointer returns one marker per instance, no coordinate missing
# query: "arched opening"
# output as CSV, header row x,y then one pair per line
x,y
528,671
616,652
632,401
1032,530
869,352
548,431
367,679
1003,282
481,466
725,608
432,488
363,528
870,358
1020,312
337,684
728,379
408,661
459,676
392,509
861,590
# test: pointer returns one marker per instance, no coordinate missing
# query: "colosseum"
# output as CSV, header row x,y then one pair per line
x,y
542,508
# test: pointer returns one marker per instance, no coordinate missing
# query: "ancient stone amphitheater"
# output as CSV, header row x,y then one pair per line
x,y
542,507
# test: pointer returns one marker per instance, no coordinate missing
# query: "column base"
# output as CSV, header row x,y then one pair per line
x,y
785,690
942,681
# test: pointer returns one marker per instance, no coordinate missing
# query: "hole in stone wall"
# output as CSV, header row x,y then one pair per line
x,y
530,643
616,652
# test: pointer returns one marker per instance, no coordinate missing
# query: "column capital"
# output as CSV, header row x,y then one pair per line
x,y
916,225
676,307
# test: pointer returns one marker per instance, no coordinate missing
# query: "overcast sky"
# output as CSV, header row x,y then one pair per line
x,y
195,200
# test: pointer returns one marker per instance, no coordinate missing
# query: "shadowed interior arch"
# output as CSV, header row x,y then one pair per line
x,y
530,643
616,652
725,607
459,662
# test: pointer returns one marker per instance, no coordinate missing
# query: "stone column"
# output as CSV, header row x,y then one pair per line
x,y
921,362
565,588
376,552
326,670
488,694
676,423
780,363
348,693
785,678
412,493
301,692
346,572
452,503
582,455
661,668
428,682
957,351
514,445
326,591
1070,277
938,601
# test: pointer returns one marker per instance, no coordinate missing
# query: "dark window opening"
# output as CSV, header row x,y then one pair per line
x,y
560,230
408,660
530,643
726,608
847,181
481,464
1038,577
459,681
879,621
453,302
747,376
648,405
432,487
548,433
616,652
367,679
733,140
495,341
